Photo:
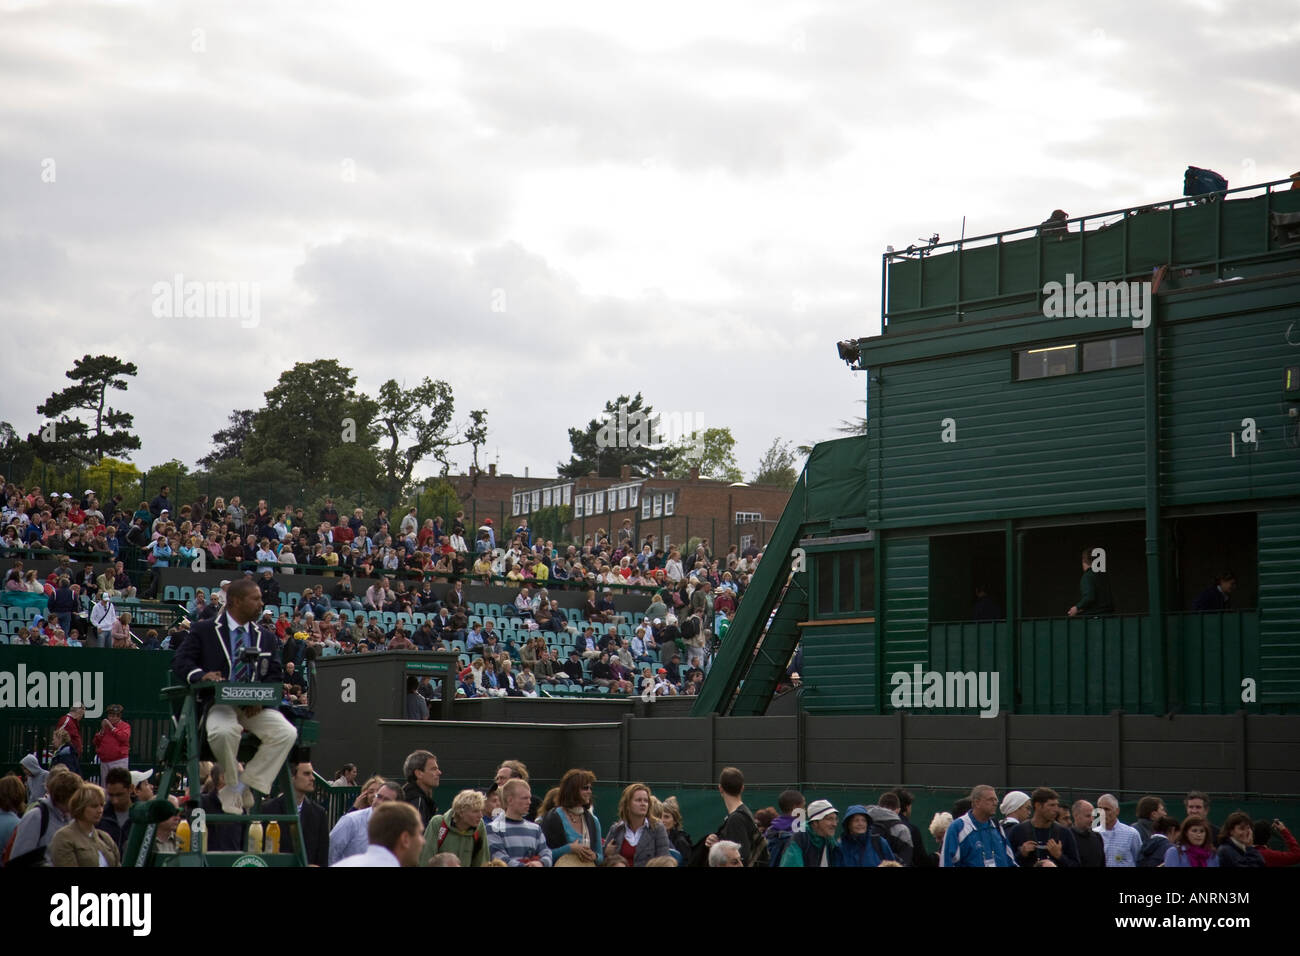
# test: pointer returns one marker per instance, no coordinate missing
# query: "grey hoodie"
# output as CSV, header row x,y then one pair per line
x,y
36,778
893,824
28,836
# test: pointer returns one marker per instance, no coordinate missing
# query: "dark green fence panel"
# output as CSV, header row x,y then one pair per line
x,y
1214,653
979,647
1086,666
102,677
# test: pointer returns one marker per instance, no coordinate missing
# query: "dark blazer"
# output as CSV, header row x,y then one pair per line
x,y
207,648
315,829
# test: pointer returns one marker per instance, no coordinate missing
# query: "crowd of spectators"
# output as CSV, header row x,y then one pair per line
x,y
55,818
693,597
232,535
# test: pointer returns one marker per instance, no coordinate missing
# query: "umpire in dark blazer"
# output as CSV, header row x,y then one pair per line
x,y
210,653
314,822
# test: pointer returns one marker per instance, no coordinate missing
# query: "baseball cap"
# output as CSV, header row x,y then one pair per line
x,y
1013,801
89,491
663,670
820,808
140,776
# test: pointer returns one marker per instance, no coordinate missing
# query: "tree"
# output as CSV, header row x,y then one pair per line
x,y
856,426
548,523
69,440
713,451
415,424
313,409
274,479
628,433
112,477
438,498
776,467
230,441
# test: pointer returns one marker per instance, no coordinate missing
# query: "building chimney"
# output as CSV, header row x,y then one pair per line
x,y
492,469
695,472
625,472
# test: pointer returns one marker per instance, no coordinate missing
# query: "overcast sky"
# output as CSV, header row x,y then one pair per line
x,y
548,203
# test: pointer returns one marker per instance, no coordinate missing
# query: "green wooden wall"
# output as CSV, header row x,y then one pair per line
x,y
1068,444
1279,607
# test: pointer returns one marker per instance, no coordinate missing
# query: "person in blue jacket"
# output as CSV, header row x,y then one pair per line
x,y
858,846
974,839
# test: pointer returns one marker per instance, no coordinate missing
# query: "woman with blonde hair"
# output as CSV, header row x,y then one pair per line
x,y
636,836
368,790
548,804
460,831
81,843
939,824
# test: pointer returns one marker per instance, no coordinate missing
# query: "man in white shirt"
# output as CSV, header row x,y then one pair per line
x,y
102,617
1122,842
410,524
396,837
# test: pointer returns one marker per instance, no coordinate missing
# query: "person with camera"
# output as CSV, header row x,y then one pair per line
x,y
1041,837
233,647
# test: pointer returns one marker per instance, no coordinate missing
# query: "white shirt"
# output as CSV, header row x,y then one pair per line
x,y
374,856
103,616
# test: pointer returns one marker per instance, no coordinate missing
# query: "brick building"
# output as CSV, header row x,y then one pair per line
x,y
674,510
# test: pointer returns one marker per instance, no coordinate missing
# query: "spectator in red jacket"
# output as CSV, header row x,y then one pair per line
x,y
71,722
113,742
1288,857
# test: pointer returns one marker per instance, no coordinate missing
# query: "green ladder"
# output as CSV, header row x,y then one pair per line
x,y
763,632
180,751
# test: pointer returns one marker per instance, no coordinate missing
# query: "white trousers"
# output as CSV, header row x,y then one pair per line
x,y
226,726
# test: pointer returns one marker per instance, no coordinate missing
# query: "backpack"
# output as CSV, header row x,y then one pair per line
x,y
880,831
1198,182
777,841
757,842
33,857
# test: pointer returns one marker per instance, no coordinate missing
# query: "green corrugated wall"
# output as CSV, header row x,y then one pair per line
x,y
1061,445
1213,374
839,669
1279,607
907,604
